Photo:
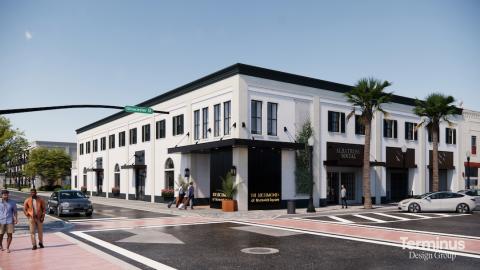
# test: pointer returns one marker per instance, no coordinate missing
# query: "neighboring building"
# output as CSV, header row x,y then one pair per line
x,y
69,148
244,119
469,148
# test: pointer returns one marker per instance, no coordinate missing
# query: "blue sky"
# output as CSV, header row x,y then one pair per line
x,y
124,52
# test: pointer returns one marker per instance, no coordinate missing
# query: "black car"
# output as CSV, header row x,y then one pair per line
x,y
65,202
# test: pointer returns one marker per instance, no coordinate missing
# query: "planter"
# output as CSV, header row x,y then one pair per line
x,y
229,206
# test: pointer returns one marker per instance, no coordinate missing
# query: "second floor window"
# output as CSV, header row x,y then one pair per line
x,y
410,132
226,118
81,149
177,123
103,143
121,139
474,145
389,128
359,126
95,145
160,129
111,141
450,136
87,147
336,122
196,125
256,122
146,133
133,136
272,110
216,120
205,123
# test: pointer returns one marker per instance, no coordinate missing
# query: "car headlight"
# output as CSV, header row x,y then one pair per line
x,y
65,204
404,202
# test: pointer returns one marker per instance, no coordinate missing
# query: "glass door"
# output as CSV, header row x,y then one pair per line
x,y
333,188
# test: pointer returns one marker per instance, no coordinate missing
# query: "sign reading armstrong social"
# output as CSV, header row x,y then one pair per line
x,y
344,154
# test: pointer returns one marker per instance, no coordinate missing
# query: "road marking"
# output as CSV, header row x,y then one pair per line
x,y
416,215
362,240
341,219
370,218
151,226
442,215
94,219
129,254
391,216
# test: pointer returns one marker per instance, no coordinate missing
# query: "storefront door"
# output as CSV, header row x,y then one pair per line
x,y
333,188
398,186
99,182
140,175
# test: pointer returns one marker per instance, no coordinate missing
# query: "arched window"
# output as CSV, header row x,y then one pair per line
x,y
169,173
117,176
85,177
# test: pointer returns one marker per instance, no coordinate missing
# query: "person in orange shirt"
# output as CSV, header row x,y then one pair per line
x,y
34,209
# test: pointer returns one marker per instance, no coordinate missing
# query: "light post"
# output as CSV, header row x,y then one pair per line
x,y
311,207
404,152
468,170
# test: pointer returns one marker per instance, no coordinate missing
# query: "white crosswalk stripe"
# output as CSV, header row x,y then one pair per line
x,y
416,215
442,215
392,216
370,218
341,219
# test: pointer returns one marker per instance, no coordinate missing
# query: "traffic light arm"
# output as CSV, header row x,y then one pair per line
x,y
24,110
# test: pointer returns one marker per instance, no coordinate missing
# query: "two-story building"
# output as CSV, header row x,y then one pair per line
x,y
244,119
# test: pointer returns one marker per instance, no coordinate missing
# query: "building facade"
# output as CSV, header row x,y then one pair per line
x,y
468,153
244,119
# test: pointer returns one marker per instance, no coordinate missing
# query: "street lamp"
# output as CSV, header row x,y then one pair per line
x,y
468,170
311,207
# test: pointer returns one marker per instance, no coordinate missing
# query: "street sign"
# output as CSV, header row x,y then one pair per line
x,y
136,109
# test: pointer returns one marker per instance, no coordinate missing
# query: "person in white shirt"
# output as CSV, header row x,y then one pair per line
x,y
344,196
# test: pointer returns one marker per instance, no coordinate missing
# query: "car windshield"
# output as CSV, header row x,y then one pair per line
x,y
71,195
422,196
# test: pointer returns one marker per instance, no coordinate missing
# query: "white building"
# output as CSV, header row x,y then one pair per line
x,y
244,119
470,134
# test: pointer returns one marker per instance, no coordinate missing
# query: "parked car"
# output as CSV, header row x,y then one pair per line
x,y
438,201
474,193
64,202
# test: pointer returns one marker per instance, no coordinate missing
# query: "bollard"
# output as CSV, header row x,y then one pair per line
x,y
291,207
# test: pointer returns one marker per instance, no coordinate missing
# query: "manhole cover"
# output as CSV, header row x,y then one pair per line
x,y
259,250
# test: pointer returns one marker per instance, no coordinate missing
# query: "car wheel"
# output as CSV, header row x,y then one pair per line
x,y
49,209
463,208
59,211
414,208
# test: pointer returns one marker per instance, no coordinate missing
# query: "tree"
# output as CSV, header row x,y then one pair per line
x,y
13,144
368,96
303,160
49,164
435,109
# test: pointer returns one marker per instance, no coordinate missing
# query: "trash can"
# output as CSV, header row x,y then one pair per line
x,y
291,207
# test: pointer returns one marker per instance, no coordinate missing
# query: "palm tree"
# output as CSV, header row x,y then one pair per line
x,y
368,96
436,108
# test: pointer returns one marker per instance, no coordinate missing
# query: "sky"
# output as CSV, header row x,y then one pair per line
x,y
124,52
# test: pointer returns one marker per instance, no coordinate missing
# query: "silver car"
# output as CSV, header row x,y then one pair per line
x,y
65,202
474,193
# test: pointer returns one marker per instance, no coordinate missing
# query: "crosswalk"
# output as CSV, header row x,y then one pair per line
x,y
380,217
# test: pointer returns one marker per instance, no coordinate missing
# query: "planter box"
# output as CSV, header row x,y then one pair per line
x,y
229,205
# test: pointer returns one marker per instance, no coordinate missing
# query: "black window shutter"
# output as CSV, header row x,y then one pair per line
x,y
342,120
406,130
357,126
330,119
454,136
395,129
384,128
447,135
415,132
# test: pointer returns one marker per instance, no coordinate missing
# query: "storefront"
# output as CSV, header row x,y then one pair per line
x,y
445,168
400,166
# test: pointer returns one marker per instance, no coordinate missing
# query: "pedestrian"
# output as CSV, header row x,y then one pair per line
x,y
34,209
191,195
8,219
181,195
344,196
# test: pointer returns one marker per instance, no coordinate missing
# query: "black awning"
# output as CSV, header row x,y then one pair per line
x,y
206,147
94,170
133,166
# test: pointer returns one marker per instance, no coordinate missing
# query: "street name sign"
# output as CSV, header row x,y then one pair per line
x,y
136,109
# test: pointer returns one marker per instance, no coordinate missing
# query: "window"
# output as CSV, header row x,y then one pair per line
x,y
272,109
87,147
216,120
85,177
103,143
226,118
336,122
359,126
146,133
121,139
450,136
81,149
389,128
133,136
205,123
169,172
95,145
177,125
430,135
117,176
410,132
76,182
196,125
160,129
474,145
256,117
111,141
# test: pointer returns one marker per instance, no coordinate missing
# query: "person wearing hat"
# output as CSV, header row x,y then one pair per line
x,y
8,219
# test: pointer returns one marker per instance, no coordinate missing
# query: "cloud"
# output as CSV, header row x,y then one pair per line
x,y
28,35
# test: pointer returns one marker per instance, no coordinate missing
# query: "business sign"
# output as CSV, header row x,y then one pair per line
x,y
344,154
136,109
264,178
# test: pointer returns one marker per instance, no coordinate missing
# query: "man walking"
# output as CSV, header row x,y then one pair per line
x,y
8,218
344,196
191,195
34,209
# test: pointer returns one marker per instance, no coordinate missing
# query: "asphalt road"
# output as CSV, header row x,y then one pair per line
x,y
99,211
